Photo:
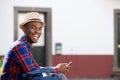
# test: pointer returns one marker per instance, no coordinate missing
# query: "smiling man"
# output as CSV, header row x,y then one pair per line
x,y
19,60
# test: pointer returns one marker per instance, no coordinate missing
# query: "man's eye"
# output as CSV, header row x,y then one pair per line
x,y
32,27
40,29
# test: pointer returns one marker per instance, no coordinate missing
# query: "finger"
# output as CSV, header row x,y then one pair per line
x,y
68,67
67,70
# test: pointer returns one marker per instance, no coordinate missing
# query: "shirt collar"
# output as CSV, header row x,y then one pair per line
x,y
23,39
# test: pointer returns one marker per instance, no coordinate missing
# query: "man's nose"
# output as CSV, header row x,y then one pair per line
x,y
38,31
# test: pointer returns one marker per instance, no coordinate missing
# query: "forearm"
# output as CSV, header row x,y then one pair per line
x,y
50,69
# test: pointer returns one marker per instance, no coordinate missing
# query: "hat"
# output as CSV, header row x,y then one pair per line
x,y
30,17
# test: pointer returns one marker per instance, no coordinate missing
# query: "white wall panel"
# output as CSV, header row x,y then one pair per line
x,y
82,26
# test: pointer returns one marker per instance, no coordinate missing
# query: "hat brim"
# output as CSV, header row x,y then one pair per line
x,y
23,23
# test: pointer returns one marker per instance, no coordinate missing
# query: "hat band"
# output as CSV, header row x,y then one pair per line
x,y
35,19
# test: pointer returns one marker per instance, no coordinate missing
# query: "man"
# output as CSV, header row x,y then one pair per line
x,y
19,60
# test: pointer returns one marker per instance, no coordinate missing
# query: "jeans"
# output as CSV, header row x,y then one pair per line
x,y
58,76
37,75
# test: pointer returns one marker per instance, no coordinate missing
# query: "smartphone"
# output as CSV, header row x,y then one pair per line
x,y
69,63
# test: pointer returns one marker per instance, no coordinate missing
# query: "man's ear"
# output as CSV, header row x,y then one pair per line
x,y
24,29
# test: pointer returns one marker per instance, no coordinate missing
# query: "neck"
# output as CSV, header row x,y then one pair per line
x,y
28,42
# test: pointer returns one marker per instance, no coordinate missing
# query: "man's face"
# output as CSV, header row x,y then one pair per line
x,y
32,31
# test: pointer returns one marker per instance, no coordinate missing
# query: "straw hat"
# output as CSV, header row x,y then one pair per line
x,y
30,17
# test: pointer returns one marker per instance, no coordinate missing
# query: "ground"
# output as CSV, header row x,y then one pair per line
x,y
93,79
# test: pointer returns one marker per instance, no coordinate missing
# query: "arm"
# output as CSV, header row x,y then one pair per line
x,y
60,68
23,58
26,61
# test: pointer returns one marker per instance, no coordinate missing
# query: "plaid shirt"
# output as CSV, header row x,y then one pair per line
x,y
18,60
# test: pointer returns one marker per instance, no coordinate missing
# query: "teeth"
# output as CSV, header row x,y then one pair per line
x,y
35,36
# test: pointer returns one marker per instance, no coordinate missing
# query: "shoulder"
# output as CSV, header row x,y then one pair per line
x,y
20,47
18,44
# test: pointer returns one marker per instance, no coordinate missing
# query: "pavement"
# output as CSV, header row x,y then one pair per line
x,y
92,79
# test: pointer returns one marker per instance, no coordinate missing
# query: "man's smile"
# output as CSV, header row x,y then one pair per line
x,y
36,37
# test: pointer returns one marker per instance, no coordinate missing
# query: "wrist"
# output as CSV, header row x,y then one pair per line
x,y
57,70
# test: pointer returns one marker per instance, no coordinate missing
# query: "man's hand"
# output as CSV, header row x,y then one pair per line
x,y
63,67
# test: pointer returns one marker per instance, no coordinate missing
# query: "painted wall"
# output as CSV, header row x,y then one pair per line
x,y
87,66
82,26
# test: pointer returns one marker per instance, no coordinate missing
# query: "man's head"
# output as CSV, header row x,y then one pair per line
x,y
32,27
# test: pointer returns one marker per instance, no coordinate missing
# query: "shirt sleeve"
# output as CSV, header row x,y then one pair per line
x,y
49,69
26,61
23,58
